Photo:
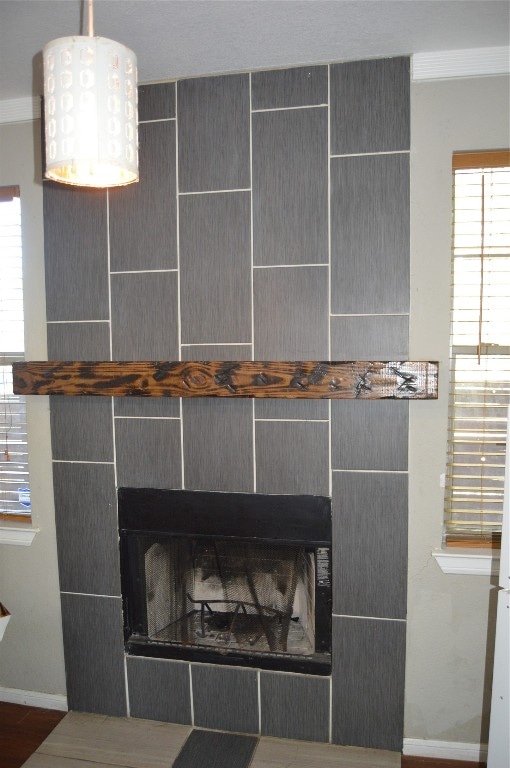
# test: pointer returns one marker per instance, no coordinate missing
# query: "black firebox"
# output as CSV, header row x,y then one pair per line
x,y
227,578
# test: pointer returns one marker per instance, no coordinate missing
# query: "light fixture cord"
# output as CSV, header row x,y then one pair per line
x,y
91,18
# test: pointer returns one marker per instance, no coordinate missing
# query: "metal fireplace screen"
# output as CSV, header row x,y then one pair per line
x,y
236,600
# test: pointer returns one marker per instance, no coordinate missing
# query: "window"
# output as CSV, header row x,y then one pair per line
x,y
14,486
479,349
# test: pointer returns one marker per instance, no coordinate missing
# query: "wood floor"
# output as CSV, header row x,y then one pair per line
x,y
22,730
77,740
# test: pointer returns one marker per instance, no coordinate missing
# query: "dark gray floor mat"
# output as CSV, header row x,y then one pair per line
x,y
210,749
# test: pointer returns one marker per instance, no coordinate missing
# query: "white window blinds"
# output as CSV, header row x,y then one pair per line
x,y
14,486
479,348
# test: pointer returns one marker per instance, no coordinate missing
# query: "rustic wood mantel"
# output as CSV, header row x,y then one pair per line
x,y
365,380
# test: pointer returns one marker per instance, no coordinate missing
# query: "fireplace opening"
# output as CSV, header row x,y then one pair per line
x,y
201,583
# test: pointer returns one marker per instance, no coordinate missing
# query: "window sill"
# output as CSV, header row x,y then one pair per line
x,y
468,562
22,535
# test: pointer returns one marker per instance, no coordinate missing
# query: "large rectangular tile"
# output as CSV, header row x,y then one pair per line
x,y
214,133
94,654
81,428
291,313
370,234
218,450
225,698
75,253
78,341
370,544
87,532
370,337
144,316
290,187
296,87
286,710
148,453
292,457
370,109
368,682
143,216
284,753
369,434
113,741
118,731
159,690
215,264
156,101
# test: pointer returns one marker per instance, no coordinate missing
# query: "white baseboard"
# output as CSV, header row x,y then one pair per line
x,y
446,750
34,699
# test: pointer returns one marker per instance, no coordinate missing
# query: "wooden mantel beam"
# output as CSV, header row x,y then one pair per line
x,y
294,380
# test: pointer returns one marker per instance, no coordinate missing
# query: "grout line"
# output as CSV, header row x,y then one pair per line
x,y
372,154
115,477
330,705
330,453
251,228
370,314
192,707
68,461
259,701
367,618
65,322
219,344
150,418
254,446
375,471
141,271
299,421
330,288
290,109
288,266
215,191
114,449
181,417
252,316
159,120
126,683
91,594
178,253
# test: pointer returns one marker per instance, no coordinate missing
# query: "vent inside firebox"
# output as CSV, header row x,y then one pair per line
x,y
229,599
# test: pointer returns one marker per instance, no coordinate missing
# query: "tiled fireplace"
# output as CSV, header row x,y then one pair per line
x,y
271,222
227,578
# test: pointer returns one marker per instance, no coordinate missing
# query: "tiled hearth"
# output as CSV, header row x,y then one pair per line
x,y
105,742
271,222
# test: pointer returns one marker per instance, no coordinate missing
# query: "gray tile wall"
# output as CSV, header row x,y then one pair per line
x,y
270,222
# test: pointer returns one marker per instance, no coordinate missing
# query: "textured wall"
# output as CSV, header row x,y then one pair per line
x,y
451,618
271,222
31,651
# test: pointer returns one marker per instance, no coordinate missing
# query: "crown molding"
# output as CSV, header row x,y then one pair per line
x,y
469,62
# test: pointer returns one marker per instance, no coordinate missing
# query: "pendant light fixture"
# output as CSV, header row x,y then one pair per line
x,y
90,110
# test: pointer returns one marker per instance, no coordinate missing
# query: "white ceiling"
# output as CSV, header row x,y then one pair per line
x,y
180,38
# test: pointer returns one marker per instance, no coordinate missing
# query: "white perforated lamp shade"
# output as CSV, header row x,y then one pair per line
x,y
90,112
